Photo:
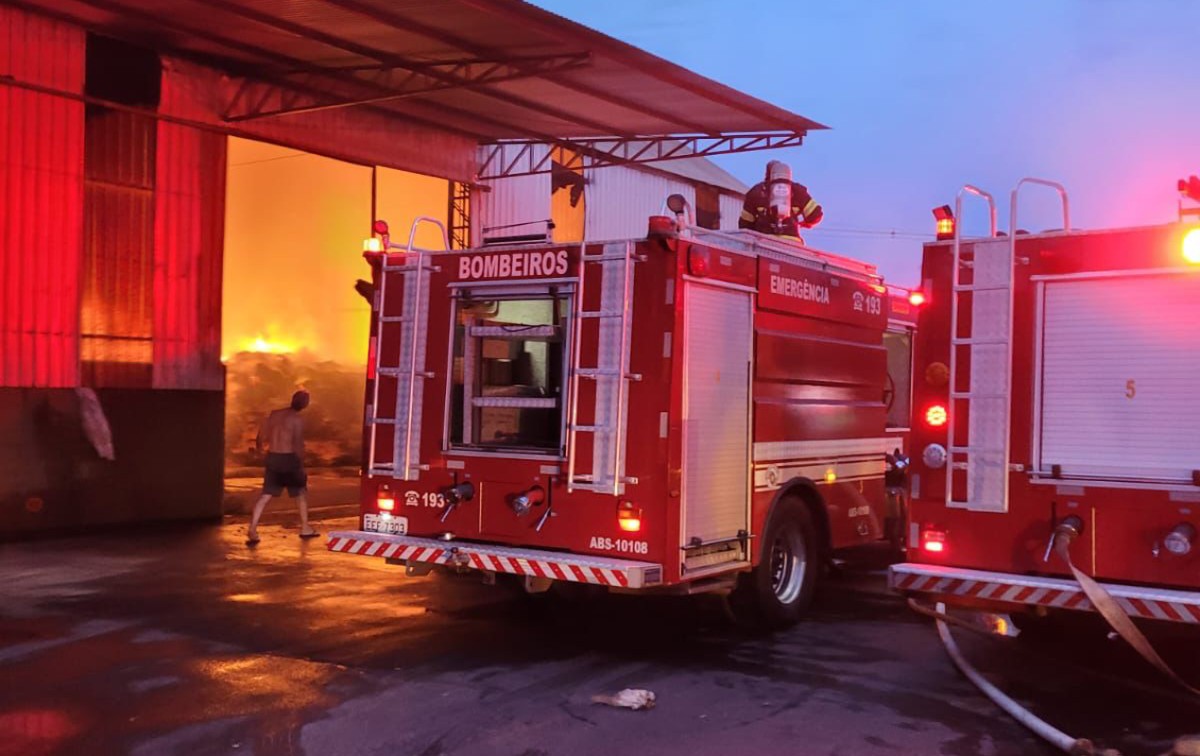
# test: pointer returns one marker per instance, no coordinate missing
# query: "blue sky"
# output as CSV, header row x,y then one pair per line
x,y
926,95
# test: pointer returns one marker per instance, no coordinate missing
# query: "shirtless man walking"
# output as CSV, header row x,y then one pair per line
x,y
283,434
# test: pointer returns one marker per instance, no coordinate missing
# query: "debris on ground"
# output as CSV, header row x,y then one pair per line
x,y
630,698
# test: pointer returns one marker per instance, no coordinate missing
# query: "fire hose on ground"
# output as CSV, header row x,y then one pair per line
x,y
1106,606
1039,727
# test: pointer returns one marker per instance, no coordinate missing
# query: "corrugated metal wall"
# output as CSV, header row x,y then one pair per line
x,y
731,210
620,200
138,288
189,226
116,304
617,201
41,198
522,199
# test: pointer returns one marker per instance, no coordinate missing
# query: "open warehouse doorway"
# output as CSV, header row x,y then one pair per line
x,y
294,226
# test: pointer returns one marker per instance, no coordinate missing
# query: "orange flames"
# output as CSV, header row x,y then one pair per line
x,y
261,345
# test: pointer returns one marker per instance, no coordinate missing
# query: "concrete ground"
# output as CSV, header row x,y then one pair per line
x,y
331,493
186,642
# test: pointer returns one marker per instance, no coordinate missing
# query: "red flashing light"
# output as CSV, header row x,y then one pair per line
x,y
933,541
917,298
662,225
386,502
936,416
698,264
376,245
1190,188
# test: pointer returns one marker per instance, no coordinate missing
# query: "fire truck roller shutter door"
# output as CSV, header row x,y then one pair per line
x,y
718,337
1119,366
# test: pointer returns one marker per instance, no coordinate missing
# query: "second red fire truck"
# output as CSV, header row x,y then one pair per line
x,y
1056,447
690,411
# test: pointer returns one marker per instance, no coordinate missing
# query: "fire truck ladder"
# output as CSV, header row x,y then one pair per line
x,y
610,373
409,369
985,459
985,401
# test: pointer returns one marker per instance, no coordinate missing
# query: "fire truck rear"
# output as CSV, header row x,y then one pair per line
x,y
690,411
1056,439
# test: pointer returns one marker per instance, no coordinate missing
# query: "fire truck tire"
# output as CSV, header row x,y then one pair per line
x,y
777,592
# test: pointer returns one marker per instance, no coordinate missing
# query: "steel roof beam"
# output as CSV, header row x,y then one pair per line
x,y
516,61
290,63
521,158
406,24
395,61
415,83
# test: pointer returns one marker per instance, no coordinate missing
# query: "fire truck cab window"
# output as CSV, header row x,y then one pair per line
x,y
508,375
898,392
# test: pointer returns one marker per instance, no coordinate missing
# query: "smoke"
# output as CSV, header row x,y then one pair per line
x,y
257,383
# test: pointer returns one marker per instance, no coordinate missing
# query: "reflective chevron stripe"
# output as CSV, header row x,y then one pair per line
x,y
572,568
948,583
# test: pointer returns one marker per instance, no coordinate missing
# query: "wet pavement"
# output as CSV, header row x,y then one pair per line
x,y
329,495
187,642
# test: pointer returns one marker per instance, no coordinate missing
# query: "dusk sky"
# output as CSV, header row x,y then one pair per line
x,y
926,95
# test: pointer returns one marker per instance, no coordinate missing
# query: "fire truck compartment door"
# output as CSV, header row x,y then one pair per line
x,y
718,338
1120,357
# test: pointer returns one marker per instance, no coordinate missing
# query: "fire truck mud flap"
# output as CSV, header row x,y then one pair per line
x,y
952,583
551,565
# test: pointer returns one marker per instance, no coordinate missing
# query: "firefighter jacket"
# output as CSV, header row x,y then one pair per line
x,y
757,213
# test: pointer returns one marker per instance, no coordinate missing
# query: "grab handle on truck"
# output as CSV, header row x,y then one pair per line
x,y
412,235
1012,216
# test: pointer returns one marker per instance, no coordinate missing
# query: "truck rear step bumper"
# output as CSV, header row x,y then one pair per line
x,y
951,583
552,565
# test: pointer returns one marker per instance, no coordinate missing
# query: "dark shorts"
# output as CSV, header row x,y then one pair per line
x,y
284,471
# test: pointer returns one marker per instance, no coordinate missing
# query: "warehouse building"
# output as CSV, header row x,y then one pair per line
x,y
164,182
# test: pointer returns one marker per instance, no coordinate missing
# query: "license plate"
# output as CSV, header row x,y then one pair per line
x,y
389,526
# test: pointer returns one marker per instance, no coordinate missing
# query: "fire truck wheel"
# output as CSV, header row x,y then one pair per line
x,y
776,593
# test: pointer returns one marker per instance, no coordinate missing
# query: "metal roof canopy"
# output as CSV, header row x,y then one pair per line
x,y
500,71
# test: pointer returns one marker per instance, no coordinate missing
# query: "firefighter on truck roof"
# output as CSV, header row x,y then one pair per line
x,y
778,205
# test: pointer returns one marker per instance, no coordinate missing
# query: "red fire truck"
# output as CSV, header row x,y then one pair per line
x,y
691,411
1057,432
